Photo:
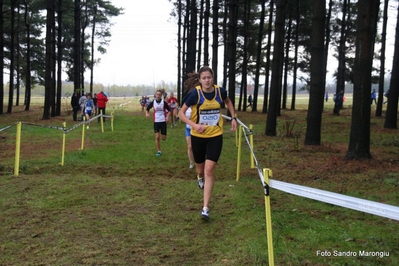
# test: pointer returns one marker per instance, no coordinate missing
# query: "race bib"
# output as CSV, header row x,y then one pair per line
x,y
209,117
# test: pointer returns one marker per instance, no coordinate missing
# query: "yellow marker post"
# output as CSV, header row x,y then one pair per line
x,y
238,142
251,142
17,148
239,153
102,121
236,137
83,134
112,121
266,173
63,144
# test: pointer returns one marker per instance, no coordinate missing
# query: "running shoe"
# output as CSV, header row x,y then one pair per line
x,y
205,213
201,181
191,166
158,153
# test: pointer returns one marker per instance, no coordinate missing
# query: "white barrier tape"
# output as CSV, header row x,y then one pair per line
x,y
36,125
85,122
120,105
376,208
93,118
60,128
7,127
260,172
227,117
73,127
238,122
57,127
368,206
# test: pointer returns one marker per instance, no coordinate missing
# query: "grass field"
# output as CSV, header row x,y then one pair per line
x,y
116,203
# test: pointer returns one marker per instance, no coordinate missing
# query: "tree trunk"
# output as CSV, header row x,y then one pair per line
x,y
317,74
55,98
76,47
206,32
1,59
225,55
84,23
12,52
297,19
48,75
28,84
186,25
231,49
258,56
244,72
359,140
93,33
200,30
380,101
391,115
18,52
328,37
179,52
341,56
192,38
268,49
286,60
59,54
215,39
271,122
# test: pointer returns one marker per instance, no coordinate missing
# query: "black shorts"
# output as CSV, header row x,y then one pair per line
x,y
206,148
160,126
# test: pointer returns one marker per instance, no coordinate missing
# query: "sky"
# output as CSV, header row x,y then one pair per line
x,y
143,45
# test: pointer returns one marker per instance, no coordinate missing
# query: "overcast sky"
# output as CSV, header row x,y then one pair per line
x,y
143,45
144,40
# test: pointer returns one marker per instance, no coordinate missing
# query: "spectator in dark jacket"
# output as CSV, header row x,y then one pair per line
x,y
373,97
95,104
250,101
339,101
386,95
75,106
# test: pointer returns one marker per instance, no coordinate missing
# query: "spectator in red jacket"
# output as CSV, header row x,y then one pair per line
x,y
102,100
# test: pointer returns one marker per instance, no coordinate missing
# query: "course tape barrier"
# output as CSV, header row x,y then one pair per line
x,y
239,122
122,104
372,207
7,127
58,127
36,125
71,128
367,206
101,117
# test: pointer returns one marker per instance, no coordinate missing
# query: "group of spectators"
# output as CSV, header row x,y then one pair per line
x,y
374,96
339,99
88,105
144,102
